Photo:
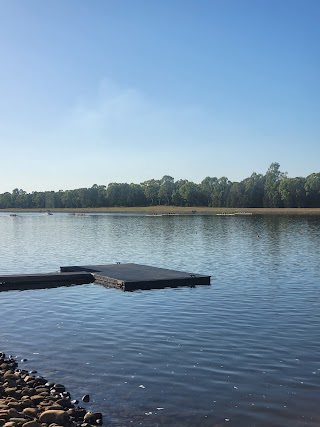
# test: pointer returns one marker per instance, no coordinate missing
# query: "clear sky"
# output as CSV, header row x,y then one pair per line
x,y
100,91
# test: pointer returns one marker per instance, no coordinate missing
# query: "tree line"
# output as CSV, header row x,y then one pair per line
x,y
274,189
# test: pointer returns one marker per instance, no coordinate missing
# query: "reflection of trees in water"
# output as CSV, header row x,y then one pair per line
x,y
287,242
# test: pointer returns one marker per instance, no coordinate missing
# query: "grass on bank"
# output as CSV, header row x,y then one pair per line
x,y
178,210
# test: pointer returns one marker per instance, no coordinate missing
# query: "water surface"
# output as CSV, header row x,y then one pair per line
x,y
243,352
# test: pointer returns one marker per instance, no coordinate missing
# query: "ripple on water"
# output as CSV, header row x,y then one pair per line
x,y
243,352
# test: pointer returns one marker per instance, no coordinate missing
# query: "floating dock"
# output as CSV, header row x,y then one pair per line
x,y
127,277
130,277
44,280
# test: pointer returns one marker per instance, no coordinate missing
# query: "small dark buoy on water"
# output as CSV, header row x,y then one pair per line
x,y
85,398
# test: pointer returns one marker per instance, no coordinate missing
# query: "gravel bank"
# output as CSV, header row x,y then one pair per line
x,y
27,400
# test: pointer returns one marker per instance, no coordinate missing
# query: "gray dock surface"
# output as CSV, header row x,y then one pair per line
x,y
129,277
43,280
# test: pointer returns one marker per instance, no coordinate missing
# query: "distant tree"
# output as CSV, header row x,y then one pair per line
x,y
272,198
208,186
151,190
118,193
237,196
292,192
274,189
136,196
5,200
20,199
312,188
254,190
166,189
177,199
190,194
49,197
221,192
57,199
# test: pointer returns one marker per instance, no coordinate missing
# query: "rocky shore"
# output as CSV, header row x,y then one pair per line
x,y
27,400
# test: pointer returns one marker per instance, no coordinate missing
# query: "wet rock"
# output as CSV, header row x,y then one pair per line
x,y
59,388
9,424
66,394
65,403
26,402
39,381
55,407
54,416
29,401
4,415
79,413
93,417
10,375
25,393
42,389
16,405
31,412
13,413
32,423
36,399
49,384
10,391
18,420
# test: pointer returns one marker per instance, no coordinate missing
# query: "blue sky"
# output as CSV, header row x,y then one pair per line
x,y
93,92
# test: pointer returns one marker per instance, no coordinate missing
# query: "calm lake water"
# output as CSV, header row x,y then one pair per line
x,y
243,352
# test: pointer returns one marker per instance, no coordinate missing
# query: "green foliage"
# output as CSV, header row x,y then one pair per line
x,y
254,190
312,189
274,189
272,198
151,191
292,192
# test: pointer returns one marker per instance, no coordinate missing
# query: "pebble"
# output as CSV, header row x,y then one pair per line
x,y
92,417
29,401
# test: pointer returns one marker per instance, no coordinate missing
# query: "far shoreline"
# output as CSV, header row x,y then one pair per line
x,y
192,210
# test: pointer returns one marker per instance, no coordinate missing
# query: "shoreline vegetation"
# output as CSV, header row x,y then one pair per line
x,y
272,190
173,210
